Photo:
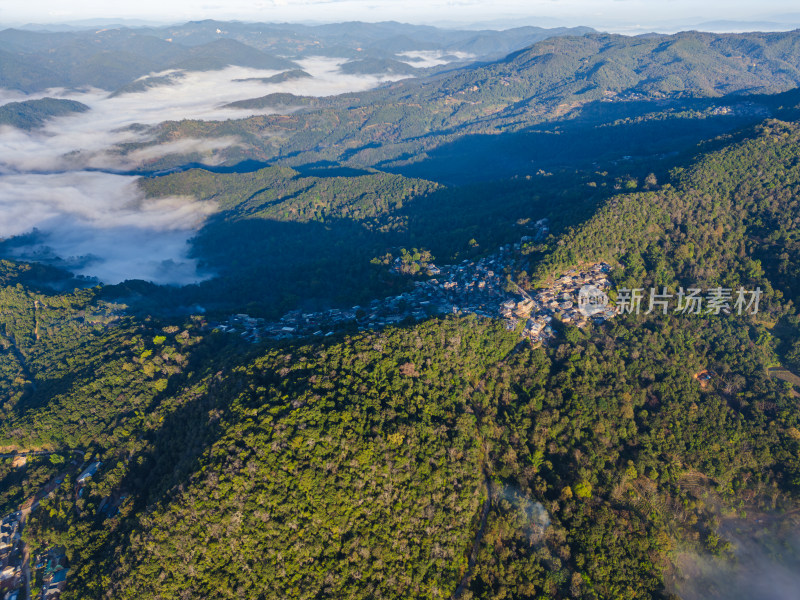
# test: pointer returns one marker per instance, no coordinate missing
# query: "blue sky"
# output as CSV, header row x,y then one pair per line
x,y
602,13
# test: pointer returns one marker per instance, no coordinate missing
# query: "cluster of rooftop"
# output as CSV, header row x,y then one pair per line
x,y
482,287
12,556
560,300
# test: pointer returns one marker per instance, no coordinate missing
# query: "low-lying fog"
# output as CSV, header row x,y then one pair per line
x,y
764,563
99,223
431,58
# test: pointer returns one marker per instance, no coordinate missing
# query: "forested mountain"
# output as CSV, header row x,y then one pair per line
x,y
354,39
729,219
593,85
363,465
221,53
440,456
109,59
278,100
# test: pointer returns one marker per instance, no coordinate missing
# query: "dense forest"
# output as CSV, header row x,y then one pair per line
x,y
356,469
442,456
368,465
32,114
729,219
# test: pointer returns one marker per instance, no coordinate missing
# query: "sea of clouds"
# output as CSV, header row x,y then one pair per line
x,y
64,197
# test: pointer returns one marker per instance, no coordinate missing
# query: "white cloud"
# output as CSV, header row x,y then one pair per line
x,y
431,58
100,223
90,139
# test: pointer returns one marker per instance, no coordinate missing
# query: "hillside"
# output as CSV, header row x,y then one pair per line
x,y
221,53
109,59
32,114
677,84
374,65
277,100
360,465
281,77
713,223
286,239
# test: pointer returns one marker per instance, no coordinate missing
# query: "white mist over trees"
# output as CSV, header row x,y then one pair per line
x,y
99,224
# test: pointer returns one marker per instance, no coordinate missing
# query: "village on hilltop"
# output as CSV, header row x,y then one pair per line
x,y
482,287
561,300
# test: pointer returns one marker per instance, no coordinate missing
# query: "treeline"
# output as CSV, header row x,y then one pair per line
x,y
730,219
356,468
76,372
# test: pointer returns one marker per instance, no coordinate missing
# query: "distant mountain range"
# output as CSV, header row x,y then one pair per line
x,y
565,80
732,25
31,61
109,59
